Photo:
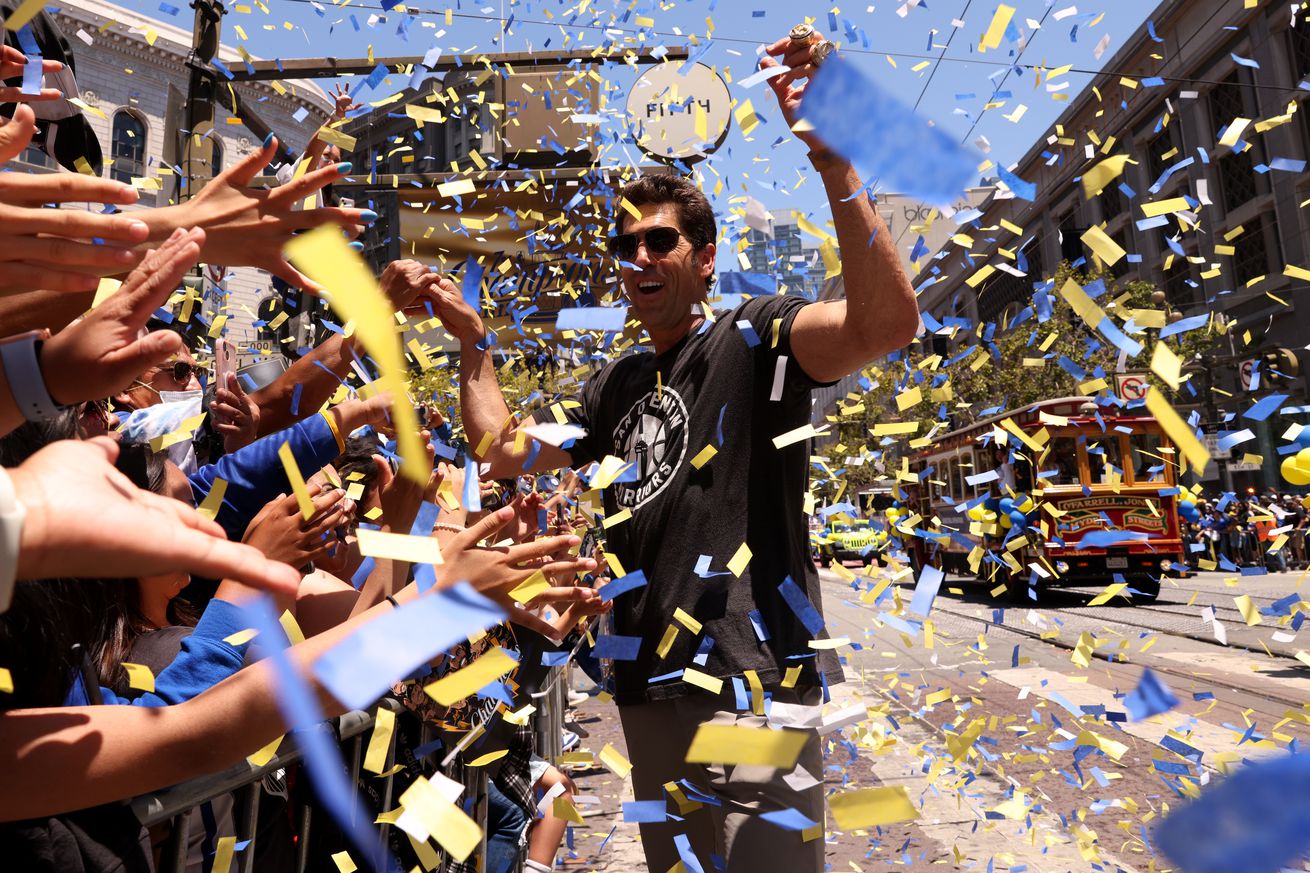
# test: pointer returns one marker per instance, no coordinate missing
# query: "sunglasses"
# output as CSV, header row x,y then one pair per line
x,y
182,371
658,240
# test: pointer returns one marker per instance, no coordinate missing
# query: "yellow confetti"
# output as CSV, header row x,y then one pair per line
x,y
398,547
323,255
469,680
740,560
871,807
379,743
737,744
139,677
614,760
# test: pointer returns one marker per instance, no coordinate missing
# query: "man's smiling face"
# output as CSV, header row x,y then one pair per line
x,y
662,288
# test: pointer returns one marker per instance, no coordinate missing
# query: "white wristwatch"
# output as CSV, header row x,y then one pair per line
x,y
12,514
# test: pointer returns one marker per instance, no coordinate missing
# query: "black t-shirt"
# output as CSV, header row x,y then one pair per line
x,y
660,412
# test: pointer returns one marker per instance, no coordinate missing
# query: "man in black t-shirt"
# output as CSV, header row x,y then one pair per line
x,y
710,426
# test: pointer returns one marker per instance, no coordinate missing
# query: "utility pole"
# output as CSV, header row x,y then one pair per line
x,y
1212,418
197,152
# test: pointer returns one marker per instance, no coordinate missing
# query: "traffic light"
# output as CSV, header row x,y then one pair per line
x,y
1278,367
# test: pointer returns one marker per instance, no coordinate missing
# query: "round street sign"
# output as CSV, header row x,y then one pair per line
x,y
1246,373
1132,386
679,111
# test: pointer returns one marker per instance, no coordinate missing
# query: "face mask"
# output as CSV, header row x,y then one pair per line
x,y
144,425
182,397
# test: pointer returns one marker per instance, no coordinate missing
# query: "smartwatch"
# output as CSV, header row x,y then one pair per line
x,y
12,514
20,355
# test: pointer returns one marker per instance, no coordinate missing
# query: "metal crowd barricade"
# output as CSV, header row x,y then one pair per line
x,y
175,804
244,781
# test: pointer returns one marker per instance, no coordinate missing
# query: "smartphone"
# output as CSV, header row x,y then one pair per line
x,y
225,355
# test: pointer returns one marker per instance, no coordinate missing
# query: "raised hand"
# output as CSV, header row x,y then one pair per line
x,y
496,571
789,87
283,534
51,249
101,354
248,226
407,283
86,519
400,496
344,103
236,415
460,320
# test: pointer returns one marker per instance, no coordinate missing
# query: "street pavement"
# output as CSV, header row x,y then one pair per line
x,y
1018,799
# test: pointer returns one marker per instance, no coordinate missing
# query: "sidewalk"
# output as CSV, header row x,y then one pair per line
x,y
607,843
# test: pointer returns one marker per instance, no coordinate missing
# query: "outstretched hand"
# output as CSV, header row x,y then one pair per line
x,y
86,519
52,249
345,104
497,570
281,532
101,354
461,321
248,226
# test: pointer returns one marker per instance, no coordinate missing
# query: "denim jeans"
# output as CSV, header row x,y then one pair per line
x,y
505,824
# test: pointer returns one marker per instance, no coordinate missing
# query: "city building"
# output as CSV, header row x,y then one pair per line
x,y
132,73
1192,73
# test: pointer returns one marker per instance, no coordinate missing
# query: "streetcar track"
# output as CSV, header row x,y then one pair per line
x,y
1113,657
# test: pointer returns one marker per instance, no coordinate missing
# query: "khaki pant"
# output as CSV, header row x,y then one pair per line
x,y
658,736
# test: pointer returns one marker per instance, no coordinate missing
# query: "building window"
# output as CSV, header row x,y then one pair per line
x,y
1256,252
1238,182
1032,255
1299,51
1164,151
1121,266
1071,239
1176,288
36,156
1112,202
129,147
218,156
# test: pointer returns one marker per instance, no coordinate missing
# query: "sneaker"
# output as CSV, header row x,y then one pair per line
x,y
577,698
570,741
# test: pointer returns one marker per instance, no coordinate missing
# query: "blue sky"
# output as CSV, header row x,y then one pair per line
x,y
902,57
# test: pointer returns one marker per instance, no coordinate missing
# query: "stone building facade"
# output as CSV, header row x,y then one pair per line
x,y
132,73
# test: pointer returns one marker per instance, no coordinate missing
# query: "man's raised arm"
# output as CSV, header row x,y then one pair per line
x,y
880,313
481,403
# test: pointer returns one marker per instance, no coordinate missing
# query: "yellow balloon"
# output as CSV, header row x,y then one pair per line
x,y
1026,506
989,517
1303,459
976,513
1005,521
1294,472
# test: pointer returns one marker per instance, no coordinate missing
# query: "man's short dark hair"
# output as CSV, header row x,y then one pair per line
x,y
694,211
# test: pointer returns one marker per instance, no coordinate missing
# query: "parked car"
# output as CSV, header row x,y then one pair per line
x,y
855,540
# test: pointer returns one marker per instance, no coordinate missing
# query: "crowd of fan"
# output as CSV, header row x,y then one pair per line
x,y
1243,529
115,566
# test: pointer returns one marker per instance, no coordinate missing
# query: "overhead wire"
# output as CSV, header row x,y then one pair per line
x,y
845,49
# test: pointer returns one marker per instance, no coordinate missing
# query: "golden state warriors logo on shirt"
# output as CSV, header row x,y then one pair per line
x,y
653,437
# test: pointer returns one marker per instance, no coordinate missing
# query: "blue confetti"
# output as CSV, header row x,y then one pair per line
x,y
362,667
1150,697
800,604
1256,819
860,121
622,585
617,648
